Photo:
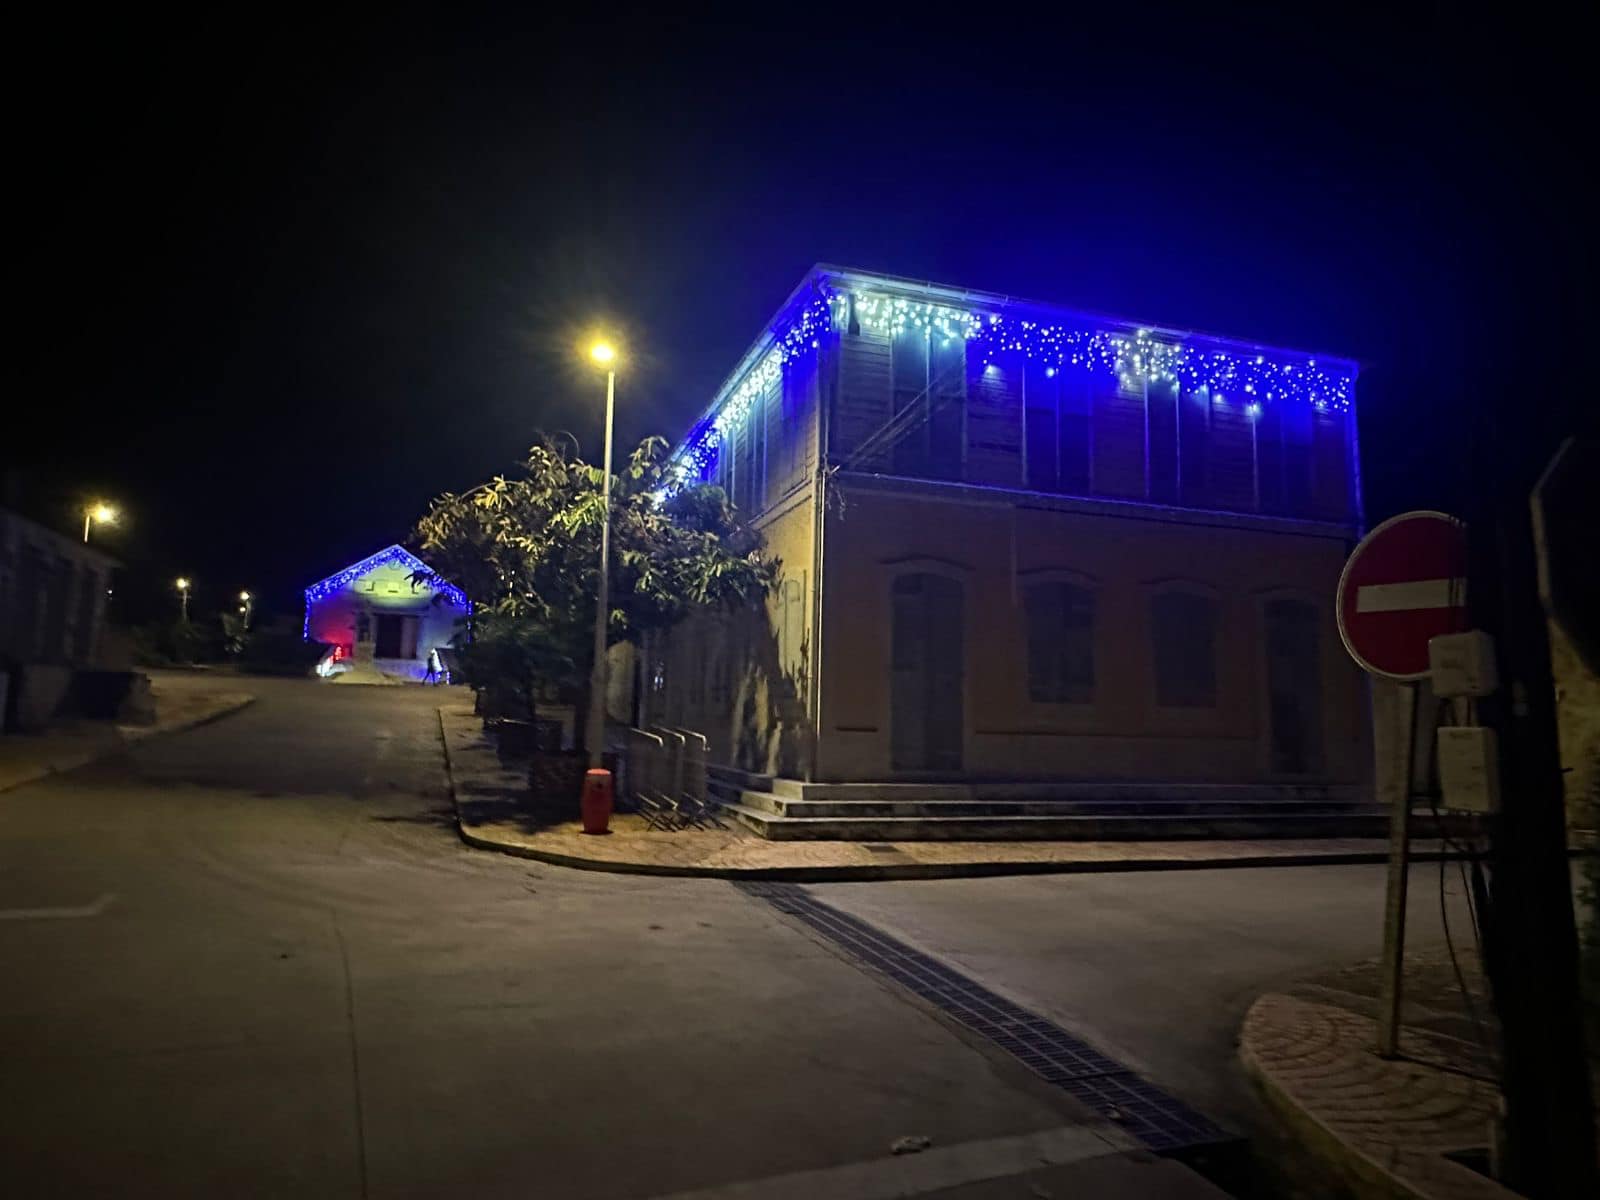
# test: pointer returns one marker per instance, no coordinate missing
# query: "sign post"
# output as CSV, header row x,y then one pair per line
x,y
1390,981
1404,584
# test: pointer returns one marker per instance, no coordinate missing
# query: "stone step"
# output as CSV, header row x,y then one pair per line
x,y
1057,790
750,818
1140,827
721,773
784,806
730,793
796,789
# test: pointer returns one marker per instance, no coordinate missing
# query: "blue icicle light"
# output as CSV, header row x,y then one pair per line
x,y
1129,356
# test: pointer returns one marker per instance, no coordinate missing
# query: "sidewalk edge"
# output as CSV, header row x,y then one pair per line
x,y
133,736
867,873
479,839
71,763
1355,1168
235,703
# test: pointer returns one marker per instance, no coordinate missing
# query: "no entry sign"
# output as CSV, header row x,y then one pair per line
x,y
1404,584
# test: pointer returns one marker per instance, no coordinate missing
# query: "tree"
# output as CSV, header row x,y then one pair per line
x,y
527,550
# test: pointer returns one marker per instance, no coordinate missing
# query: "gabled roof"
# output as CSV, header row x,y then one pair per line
x,y
392,556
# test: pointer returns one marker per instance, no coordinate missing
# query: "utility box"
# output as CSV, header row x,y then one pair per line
x,y
1469,769
1461,665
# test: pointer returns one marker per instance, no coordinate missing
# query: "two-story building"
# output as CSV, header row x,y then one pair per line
x,y
1023,544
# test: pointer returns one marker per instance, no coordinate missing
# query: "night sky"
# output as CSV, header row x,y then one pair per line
x,y
283,282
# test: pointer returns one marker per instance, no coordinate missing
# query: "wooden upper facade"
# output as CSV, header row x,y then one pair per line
x,y
888,377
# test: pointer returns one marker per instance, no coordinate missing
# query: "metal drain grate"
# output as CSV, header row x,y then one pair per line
x,y
1049,1051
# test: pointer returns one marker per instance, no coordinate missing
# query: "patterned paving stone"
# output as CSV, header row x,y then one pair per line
x,y
1387,1124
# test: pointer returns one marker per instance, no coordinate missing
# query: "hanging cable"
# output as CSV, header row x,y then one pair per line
x,y
1484,1042
1462,853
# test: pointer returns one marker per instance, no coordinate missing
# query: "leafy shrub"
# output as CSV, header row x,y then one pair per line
x,y
172,643
278,650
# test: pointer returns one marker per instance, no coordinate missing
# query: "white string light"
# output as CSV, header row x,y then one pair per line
x,y
1132,358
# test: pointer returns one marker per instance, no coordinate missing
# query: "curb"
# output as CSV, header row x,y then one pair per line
x,y
1390,1134
227,710
135,736
56,768
1356,1170
887,872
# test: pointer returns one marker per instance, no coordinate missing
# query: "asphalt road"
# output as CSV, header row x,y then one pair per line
x,y
254,960
1157,969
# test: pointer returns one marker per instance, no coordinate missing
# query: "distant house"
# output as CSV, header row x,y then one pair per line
x,y
53,593
379,611
1020,542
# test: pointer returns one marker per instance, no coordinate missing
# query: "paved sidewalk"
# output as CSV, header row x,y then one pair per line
x,y
491,815
25,758
1384,1126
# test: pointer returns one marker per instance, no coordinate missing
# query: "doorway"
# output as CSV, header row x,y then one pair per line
x,y
397,636
1294,686
927,725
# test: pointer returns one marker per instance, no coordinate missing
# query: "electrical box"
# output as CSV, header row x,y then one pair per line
x,y
1462,665
1469,769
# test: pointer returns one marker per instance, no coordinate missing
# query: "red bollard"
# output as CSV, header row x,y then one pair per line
x,y
596,804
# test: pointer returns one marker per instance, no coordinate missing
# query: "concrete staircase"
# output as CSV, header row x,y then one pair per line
x,y
784,809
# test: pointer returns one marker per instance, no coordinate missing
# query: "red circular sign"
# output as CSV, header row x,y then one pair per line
x,y
1404,584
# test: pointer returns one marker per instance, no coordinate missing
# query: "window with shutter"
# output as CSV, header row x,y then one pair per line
x,y
1060,619
1043,386
1183,633
1194,446
947,394
909,368
1161,440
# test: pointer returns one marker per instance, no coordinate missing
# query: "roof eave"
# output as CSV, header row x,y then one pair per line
x,y
824,273
852,276
754,354
395,546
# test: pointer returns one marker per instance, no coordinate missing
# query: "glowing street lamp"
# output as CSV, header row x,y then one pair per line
x,y
604,353
99,511
183,595
247,606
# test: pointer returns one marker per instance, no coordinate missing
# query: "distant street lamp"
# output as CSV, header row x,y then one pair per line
x,y
99,511
605,354
247,606
183,595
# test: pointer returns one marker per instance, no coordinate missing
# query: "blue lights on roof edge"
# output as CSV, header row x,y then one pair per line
x,y
394,555
1000,331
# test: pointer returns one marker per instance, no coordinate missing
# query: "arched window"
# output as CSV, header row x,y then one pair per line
x,y
1060,643
1293,629
927,723
1183,636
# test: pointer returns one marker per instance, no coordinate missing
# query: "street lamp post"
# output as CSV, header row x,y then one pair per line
x,y
603,353
183,597
101,512
247,606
